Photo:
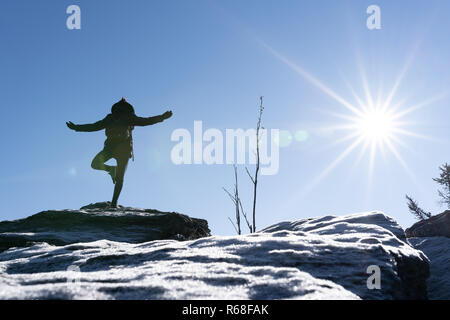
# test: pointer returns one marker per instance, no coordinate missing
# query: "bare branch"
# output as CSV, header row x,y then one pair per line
x,y
245,216
255,177
233,224
230,195
235,199
249,175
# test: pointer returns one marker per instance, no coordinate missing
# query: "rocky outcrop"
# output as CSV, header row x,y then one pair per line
x,y
437,250
436,226
100,222
351,244
432,236
321,258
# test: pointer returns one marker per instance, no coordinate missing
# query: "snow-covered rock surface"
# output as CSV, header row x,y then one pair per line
x,y
322,258
437,250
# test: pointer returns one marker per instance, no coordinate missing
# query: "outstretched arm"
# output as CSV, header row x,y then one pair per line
x,y
139,121
99,125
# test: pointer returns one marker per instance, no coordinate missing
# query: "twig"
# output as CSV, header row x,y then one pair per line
x,y
236,201
255,178
249,175
233,224
245,216
229,194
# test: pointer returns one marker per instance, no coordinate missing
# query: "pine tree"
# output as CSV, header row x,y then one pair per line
x,y
418,212
444,181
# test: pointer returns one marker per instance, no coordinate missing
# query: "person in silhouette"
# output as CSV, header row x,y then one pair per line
x,y
118,126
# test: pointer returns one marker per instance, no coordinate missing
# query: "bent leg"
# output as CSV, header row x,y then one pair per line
x,y
120,174
98,163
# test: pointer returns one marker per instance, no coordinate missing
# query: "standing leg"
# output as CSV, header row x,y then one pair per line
x,y
122,163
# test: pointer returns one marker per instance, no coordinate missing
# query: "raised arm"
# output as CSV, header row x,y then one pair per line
x,y
139,121
90,127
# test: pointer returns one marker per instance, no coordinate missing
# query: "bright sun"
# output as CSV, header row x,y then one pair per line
x,y
375,125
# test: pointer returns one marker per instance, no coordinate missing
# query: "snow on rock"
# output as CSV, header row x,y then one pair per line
x,y
437,250
153,270
98,222
342,248
321,258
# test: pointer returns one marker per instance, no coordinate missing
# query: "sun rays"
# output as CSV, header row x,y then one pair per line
x,y
374,124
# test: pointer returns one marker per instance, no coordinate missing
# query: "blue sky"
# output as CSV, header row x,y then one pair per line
x,y
206,60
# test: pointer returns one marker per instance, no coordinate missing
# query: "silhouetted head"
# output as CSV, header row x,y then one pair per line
x,y
122,108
